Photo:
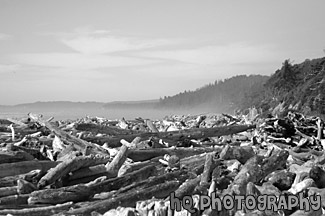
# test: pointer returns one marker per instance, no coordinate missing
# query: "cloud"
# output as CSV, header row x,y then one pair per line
x,y
215,55
4,36
78,61
102,41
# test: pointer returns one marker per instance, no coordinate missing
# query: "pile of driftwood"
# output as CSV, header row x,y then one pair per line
x,y
96,166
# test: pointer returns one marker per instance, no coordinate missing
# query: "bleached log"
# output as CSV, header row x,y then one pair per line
x,y
306,183
113,167
70,165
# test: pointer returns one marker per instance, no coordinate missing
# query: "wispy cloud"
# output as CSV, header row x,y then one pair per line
x,y
103,41
78,61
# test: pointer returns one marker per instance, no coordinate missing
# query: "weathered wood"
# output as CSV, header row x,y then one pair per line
x,y
195,133
113,167
74,193
25,187
187,188
11,169
10,181
282,179
211,162
14,200
151,126
7,191
130,167
255,169
38,211
152,207
88,171
80,144
306,183
242,154
147,154
70,165
109,130
119,182
304,156
180,175
127,199
14,156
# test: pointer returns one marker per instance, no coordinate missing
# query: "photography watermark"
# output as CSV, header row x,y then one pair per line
x,y
249,202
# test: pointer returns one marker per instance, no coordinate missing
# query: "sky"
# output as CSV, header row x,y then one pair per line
x,y
122,50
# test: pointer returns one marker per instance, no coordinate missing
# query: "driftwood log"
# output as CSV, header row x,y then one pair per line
x,y
14,156
147,154
37,211
196,133
109,130
11,169
127,199
79,144
70,165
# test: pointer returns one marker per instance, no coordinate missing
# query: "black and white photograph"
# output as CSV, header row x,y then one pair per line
x,y
162,107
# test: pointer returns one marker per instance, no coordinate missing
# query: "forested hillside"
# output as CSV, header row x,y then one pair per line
x,y
225,94
300,87
295,86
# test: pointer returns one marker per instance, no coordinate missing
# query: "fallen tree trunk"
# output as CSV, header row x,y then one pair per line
x,y
11,169
127,199
180,175
82,192
119,182
14,156
147,154
37,211
195,133
73,193
68,166
109,130
8,191
14,200
187,188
